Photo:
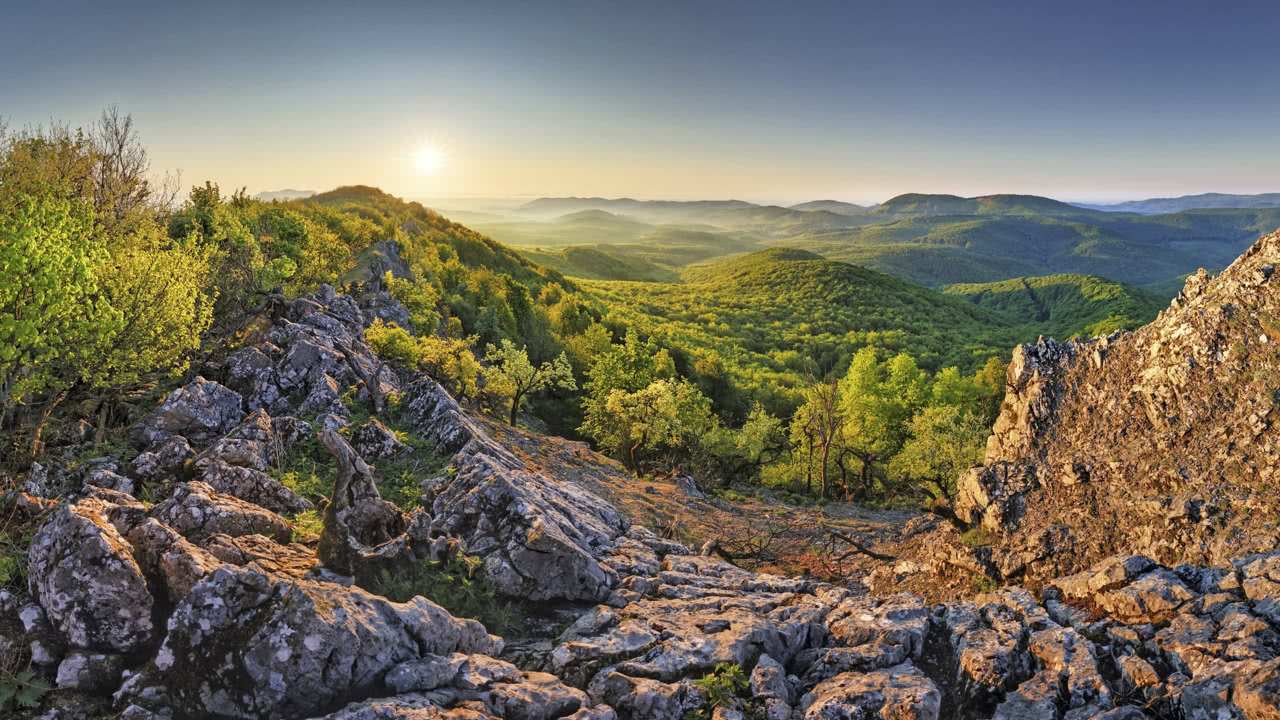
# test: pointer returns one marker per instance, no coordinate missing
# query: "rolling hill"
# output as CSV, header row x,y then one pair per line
x,y
1066,306
1152,206
835,206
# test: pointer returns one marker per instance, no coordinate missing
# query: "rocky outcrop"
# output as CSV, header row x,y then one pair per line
x,y
1158,441
245,644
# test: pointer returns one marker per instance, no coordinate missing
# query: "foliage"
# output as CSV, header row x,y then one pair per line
x,y
1066,306
944,442
665,413
724,686
455,585
977,537
52,316
24,688
448,360
510,374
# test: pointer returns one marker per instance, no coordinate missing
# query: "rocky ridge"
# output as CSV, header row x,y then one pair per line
x,y
200,606
1157,441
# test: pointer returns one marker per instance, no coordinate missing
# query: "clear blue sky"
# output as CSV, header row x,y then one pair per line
x,y
777,101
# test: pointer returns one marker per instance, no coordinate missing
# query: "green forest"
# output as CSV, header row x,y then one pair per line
x,y
739,365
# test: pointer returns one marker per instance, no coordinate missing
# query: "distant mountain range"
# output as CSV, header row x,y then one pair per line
x,y
1204,201
286,194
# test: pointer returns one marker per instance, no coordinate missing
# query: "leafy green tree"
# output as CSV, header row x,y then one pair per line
x,y
667,412
630,367
878,400
945,441
515,377
52,316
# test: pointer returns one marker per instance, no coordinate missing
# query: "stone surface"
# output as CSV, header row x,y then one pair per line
x,y
901,692
198,512
245,644
83,572
200,411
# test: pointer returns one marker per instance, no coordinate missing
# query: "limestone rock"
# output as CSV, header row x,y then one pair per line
x,y
374,441
198,512
83,572
245,644
200,411
901,692
253,486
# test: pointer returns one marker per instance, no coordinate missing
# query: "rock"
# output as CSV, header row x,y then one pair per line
x,y
689,487
769,680
427,673
900,692
166,459
990,647
642,698
382,306
83,572
994,496
37,482
111,480
263,554
357,520
174,563
374,441
201,411
89,672
198,512
246,644
251,444
253,486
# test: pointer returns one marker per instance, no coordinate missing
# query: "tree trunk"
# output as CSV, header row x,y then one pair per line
x,y
808,468
826,450
515,405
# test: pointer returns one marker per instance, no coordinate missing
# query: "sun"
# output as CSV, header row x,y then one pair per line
x,y
428,159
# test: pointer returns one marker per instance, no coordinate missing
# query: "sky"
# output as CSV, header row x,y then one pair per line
x,y
762,101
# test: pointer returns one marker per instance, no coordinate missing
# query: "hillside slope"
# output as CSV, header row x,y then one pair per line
x,y
777,314
1065,306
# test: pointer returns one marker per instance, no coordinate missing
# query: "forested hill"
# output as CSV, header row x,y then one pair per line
x,y
1064,306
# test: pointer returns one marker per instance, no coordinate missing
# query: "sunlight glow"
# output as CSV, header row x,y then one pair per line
x,y
428,159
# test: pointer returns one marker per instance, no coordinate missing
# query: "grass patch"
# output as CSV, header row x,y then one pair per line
x,y
454,584
977,537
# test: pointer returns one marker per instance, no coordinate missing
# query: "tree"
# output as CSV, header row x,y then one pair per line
x,y
667,412
878,400
53,318
517,378
945,441
629,367
821,419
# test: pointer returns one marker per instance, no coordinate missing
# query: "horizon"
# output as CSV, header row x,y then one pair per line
x,y
754,101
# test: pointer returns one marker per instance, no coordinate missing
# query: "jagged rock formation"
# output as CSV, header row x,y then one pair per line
x,y
1157,441
199,606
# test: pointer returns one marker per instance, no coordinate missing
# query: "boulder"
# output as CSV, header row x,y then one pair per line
x,y
253,486
374,441
246,644
83,573
201,411
901,692
166,459
198,512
